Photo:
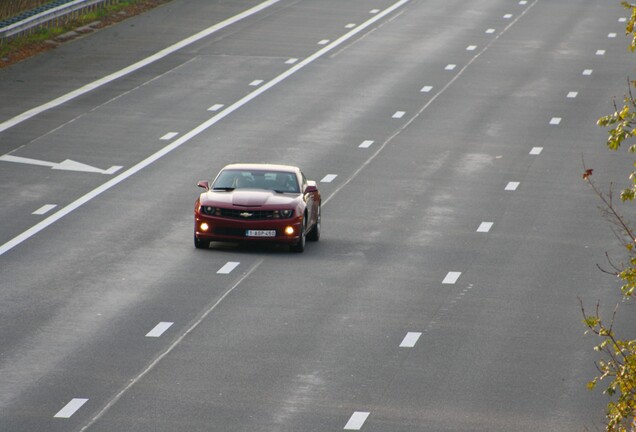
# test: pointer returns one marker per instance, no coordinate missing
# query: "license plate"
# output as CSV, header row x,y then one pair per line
x,y
260,233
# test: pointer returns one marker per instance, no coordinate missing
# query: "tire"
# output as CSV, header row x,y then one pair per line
x,y
201,244
314,234
300,246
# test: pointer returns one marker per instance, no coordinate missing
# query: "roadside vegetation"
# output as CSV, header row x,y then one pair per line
x,y
45,38
617,364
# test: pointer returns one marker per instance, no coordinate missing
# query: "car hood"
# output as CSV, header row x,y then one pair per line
x,y
247,198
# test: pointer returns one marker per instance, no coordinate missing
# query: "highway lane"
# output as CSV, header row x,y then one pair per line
x,y
304,342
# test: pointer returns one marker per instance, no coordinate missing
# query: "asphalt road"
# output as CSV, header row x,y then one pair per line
x,y
447,140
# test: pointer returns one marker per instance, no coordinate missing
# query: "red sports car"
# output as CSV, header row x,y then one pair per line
x,y
258,202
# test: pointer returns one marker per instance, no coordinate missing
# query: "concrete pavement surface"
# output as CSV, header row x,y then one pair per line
x,y
446,139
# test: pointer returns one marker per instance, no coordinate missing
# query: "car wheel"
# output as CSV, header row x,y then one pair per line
x,y
300,246
201,244
314,234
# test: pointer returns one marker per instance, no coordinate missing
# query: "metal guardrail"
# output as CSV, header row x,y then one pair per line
x,y
56,13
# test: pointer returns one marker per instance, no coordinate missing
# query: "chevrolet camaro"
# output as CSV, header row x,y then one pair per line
x,y
260,203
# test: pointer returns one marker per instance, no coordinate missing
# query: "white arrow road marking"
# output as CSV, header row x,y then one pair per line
x,y
66,165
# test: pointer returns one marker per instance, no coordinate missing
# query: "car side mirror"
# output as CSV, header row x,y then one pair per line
x,y
204,184
311,187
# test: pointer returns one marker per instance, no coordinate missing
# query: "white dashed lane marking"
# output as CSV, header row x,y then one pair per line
x,y
611,35
374,11
228,267
450,67
366,144
291,61
600,52
71,408
350,25
490,31
398,114
511,186
169,136
426,89
410,340
216,107
485,227
451,278
324,42
536,151
256,83
622,19
159,329
555,120
44,209
507,16
329,178
572,94
471,47
587,72
357,420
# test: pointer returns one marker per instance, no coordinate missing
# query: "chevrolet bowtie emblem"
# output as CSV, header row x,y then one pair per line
x,y
246,214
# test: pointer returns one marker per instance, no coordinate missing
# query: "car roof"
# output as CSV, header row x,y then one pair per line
x,y
264,167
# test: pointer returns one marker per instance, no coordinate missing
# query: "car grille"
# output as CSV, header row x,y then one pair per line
x,y
250,214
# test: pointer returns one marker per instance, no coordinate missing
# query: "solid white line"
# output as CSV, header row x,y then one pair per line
x,y
156,361
555,120
451,278
198,130
410,340
71,408
159,329
511,186
485,227
228,267
398,114
357,420
134,67
329,178
366,144
169,136
44,209
536,150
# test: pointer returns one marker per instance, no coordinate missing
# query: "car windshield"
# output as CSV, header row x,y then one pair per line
x,y
278,181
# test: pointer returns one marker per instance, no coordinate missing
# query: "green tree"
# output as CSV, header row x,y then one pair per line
x,y
617,366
